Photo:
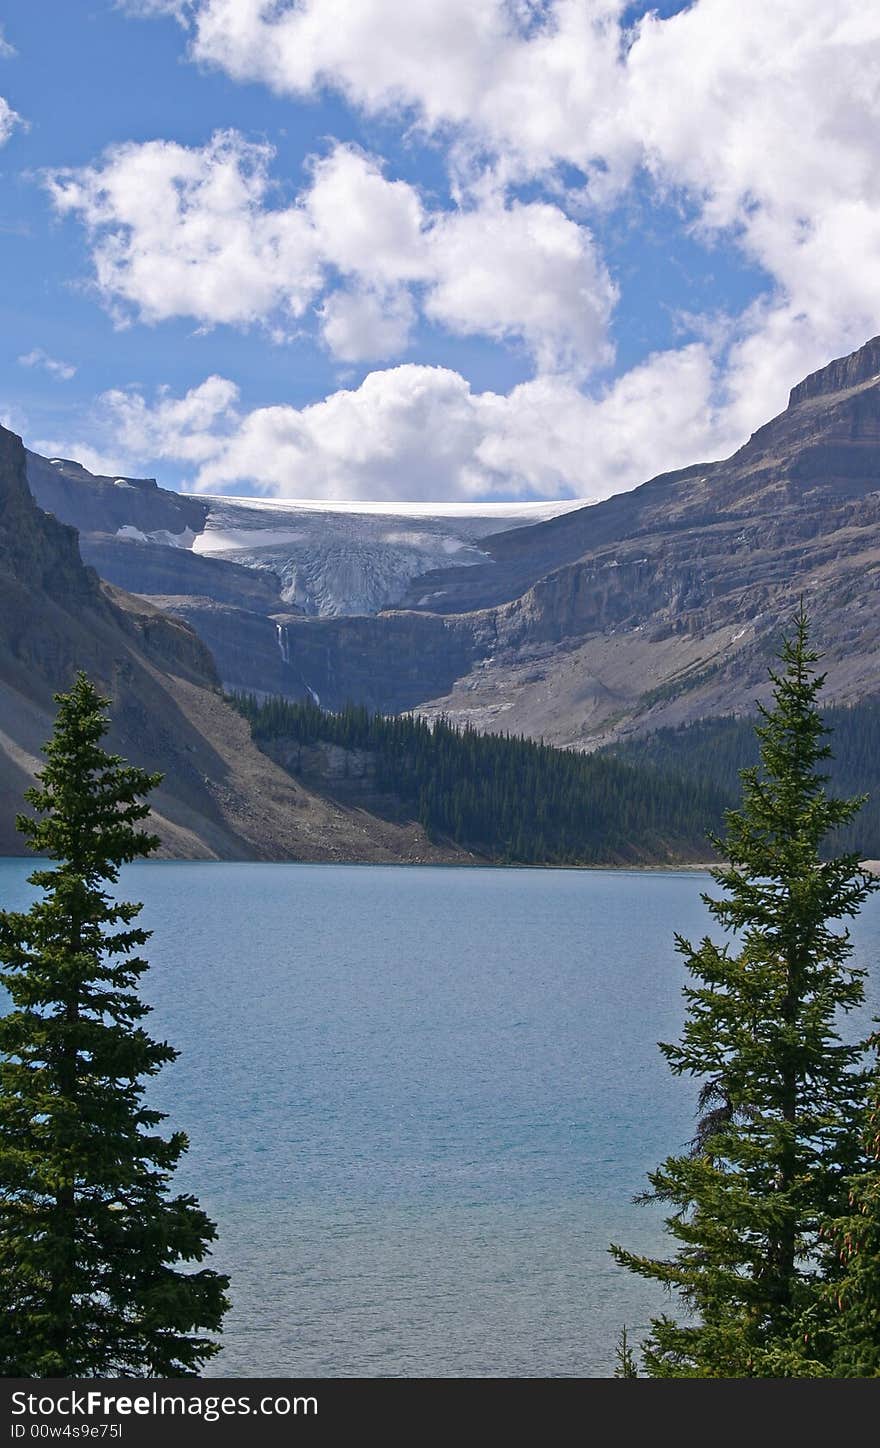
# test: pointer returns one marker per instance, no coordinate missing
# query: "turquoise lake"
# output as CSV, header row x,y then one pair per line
x,y
420,1100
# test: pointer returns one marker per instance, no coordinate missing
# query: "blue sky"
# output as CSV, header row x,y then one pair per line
x,y
512,250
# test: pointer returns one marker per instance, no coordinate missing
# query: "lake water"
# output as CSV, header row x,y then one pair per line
x,y
419,1102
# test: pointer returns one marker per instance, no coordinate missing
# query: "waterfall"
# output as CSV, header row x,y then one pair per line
x,y
283,642
284,650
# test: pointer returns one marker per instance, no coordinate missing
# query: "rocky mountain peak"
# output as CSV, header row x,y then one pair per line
x,y
92,502
844,372
33,546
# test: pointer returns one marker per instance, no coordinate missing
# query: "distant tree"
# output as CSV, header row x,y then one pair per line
x,y
784,1100
89,1241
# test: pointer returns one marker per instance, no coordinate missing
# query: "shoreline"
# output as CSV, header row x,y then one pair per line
x,y
871,867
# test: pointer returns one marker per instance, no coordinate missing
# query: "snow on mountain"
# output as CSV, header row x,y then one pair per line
x,y
356,558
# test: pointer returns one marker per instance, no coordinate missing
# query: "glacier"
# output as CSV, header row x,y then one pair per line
x,y
337,558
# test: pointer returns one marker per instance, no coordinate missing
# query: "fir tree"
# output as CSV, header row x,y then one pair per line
x,y
625,1357
783,1097
855,1327
90,1242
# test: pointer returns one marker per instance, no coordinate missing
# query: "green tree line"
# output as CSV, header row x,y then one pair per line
x,y
714,751
504,796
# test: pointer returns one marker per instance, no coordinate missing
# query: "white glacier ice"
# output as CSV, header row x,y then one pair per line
x,y
356,557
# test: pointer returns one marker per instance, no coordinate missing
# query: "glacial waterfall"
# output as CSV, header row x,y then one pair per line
x,y
284,650
283,642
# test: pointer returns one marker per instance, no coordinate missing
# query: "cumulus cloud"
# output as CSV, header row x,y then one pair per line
x,y
761,121
506,270
56,368
575,81
528,271
12,417
665,413
414,432
184,428
764,118
769,123
131,433
366,324
531,79
180,231
365,224
9,119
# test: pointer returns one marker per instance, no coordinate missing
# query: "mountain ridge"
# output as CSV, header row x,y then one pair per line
x,y
653,606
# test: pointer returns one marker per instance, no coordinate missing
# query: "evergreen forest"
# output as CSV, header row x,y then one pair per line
x,y
712,752
504,797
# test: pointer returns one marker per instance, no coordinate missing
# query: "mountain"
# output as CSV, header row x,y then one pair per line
x,y
239,569
220,796
654,607
666,604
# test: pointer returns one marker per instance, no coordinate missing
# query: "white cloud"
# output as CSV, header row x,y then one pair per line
x,y
365,324
769,123
180,231
130,434
104,463
532,80
147,9
768,110
377,51
660,415
56,368
183,428
496,269
572,80
523,270
407,430
13,418
364,224
413,432
764,117
9,119
762,120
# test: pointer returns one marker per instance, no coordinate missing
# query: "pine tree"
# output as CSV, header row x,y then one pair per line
x,y
783,1098
90,1242
625,1357
856,1237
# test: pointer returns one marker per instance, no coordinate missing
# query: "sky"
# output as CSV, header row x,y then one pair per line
x,y
402,249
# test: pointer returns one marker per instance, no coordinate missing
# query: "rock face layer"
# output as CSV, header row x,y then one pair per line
x,y
220,797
